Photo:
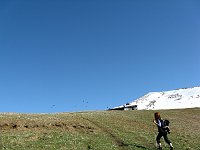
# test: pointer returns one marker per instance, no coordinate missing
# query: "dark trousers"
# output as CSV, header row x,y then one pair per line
x,y
164,134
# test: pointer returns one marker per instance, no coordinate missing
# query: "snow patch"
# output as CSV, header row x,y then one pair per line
x,y
175,99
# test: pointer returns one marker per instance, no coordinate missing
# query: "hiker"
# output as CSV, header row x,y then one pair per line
x,y
163,130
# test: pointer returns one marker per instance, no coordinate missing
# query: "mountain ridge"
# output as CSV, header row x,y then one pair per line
x,y
173,99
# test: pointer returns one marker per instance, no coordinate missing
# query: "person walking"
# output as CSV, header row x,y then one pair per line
x,y
163,130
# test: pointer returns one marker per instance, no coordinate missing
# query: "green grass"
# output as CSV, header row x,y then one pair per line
x,y
101,130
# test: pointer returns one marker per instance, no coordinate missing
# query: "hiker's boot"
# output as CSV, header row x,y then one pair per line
x,y
171,147
159,146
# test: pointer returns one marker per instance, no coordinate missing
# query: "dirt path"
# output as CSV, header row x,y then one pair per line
x,y
119,142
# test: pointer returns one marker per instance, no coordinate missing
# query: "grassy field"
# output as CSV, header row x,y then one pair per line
x,y
101,130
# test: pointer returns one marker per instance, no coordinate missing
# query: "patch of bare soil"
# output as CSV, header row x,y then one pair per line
x,y
56,125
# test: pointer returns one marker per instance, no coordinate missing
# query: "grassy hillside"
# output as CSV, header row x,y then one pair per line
x,y
104,130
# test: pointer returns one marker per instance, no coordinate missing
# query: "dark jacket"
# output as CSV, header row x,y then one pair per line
x,y
162,127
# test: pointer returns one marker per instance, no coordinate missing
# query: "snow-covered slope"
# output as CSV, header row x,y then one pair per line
x,y
175,99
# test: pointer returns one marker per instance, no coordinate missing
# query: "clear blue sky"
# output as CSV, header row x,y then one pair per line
x,y
75,55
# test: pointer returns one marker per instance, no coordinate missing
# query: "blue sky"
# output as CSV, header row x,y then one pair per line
x,y
63,56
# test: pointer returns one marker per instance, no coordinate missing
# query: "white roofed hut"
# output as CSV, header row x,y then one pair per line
x,y
125,107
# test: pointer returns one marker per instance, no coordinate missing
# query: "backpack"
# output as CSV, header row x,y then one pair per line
x,y
166,123
165,126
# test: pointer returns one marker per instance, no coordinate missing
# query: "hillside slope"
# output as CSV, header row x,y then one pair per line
x,y
104,130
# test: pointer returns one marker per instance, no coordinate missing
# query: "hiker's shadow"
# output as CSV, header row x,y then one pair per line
x,y
134,145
